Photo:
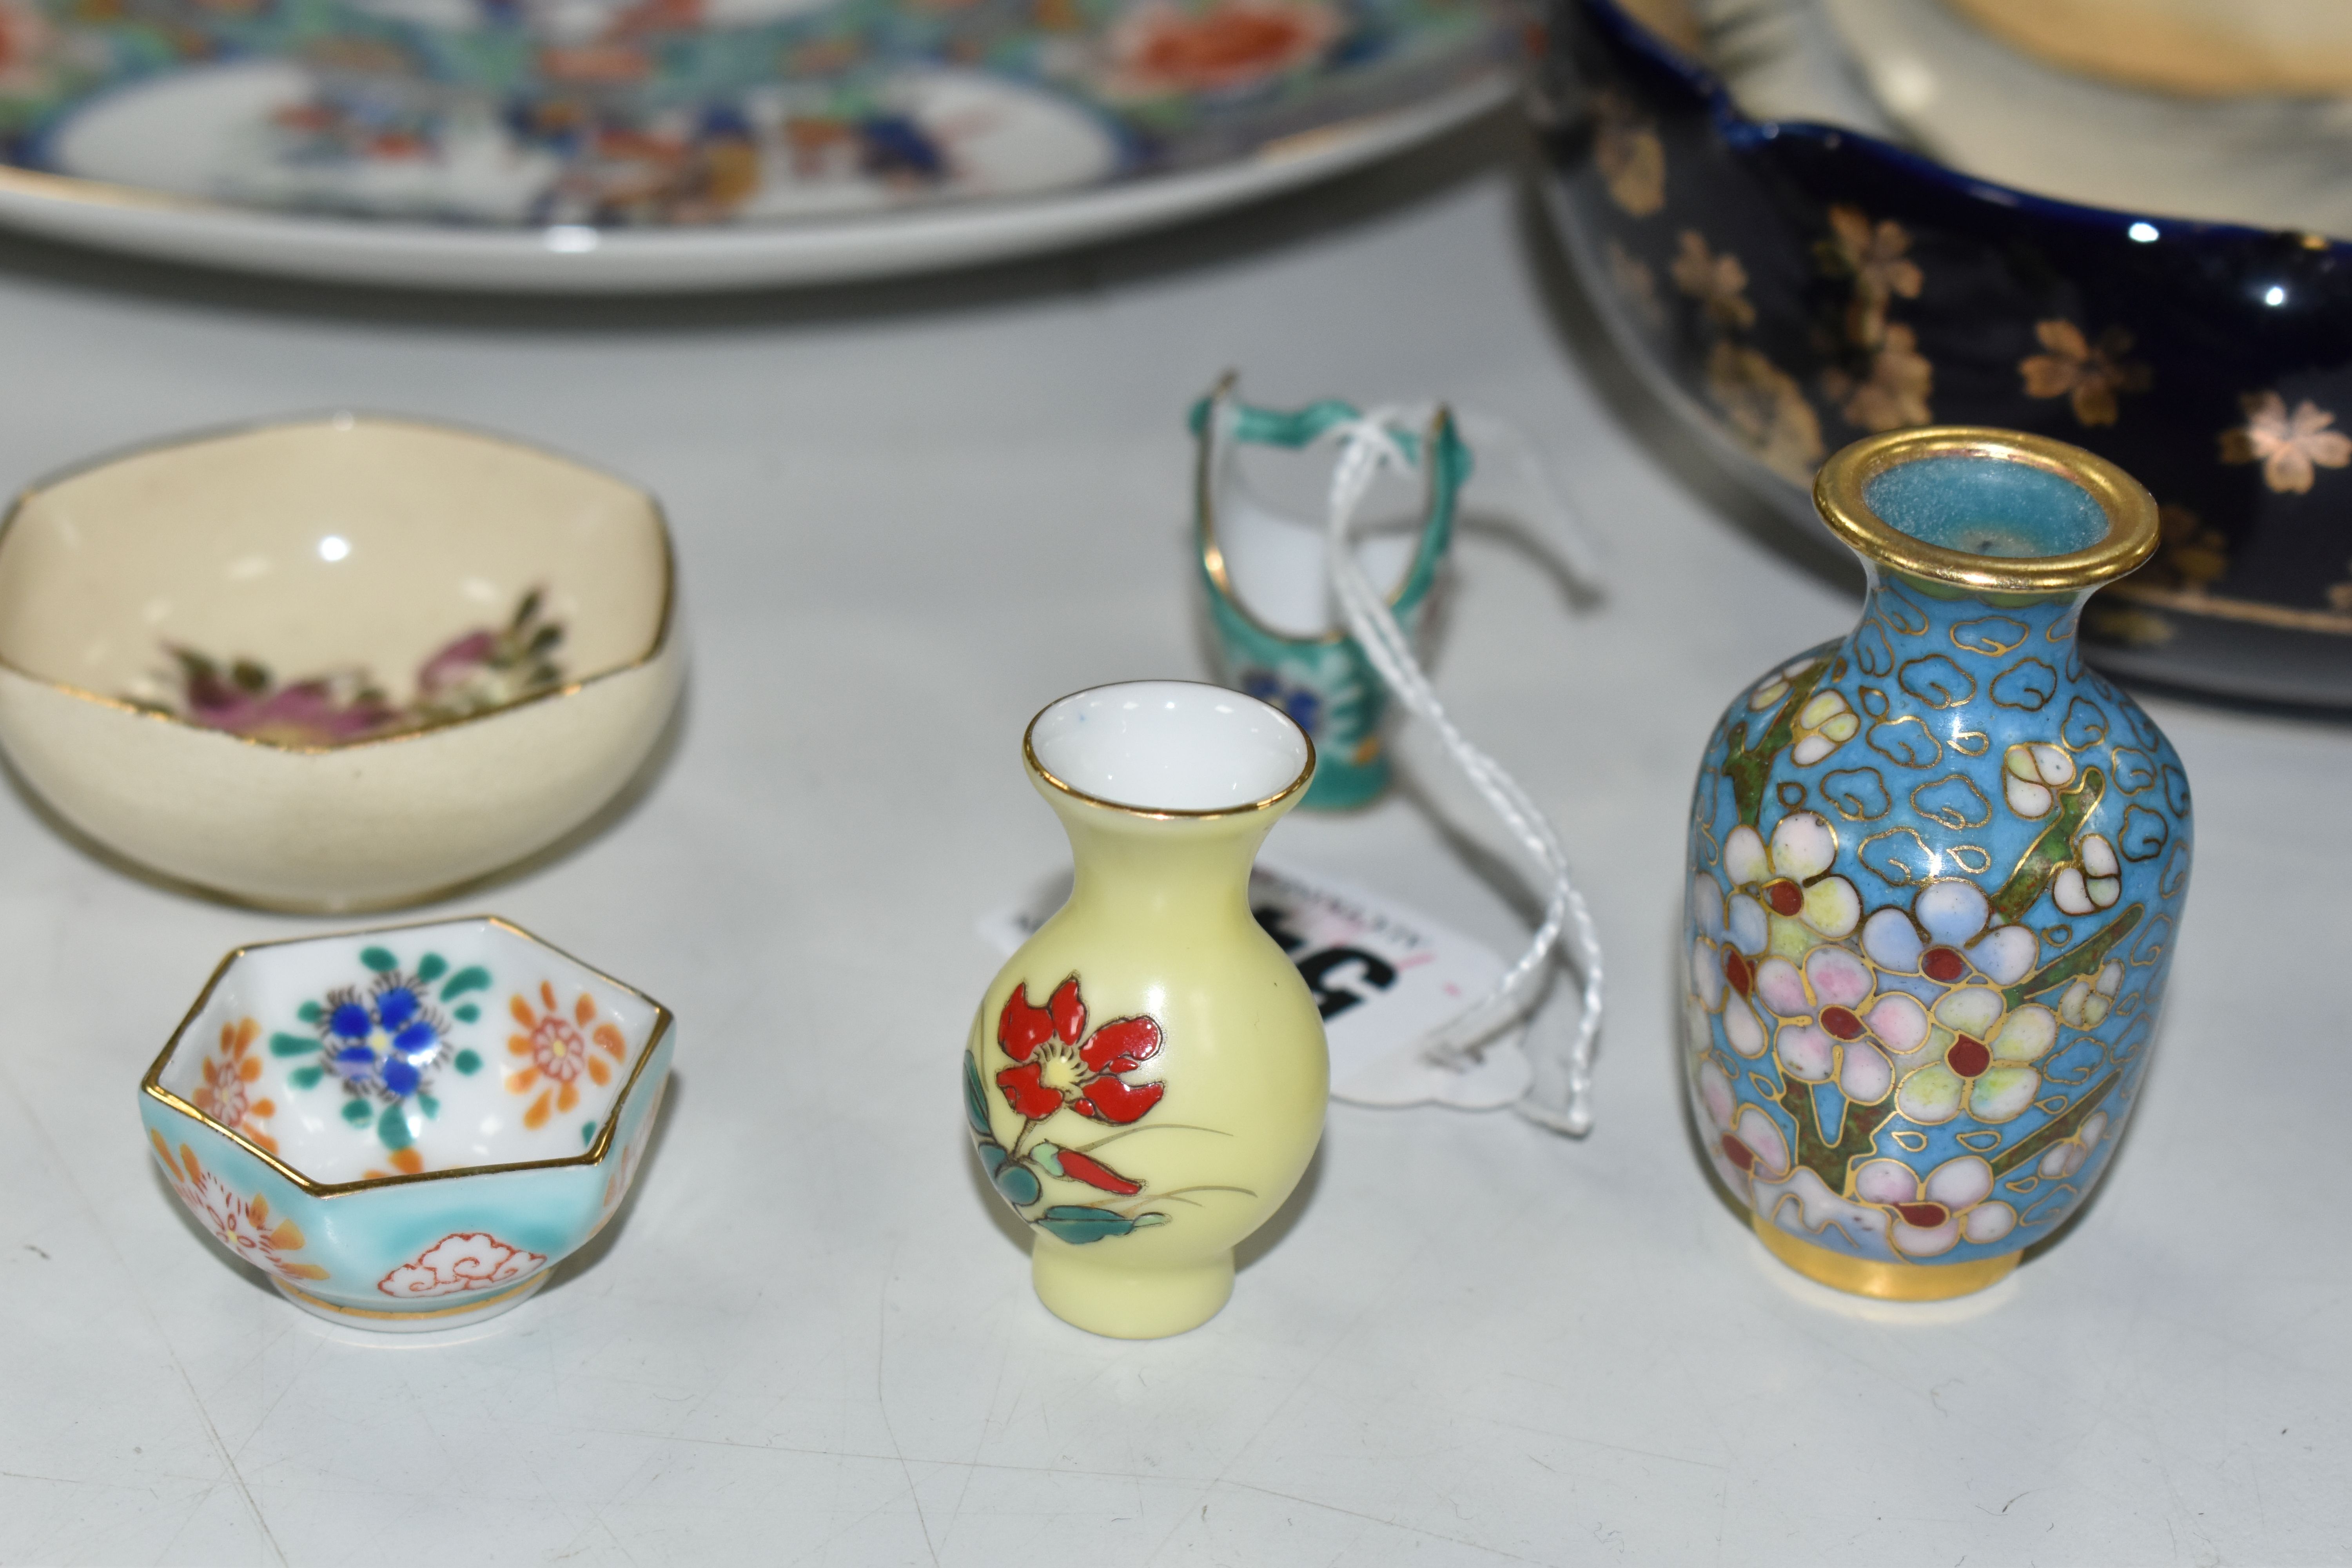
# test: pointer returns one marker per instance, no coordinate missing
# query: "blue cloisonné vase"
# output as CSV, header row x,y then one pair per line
x,y
1937,870
1264,581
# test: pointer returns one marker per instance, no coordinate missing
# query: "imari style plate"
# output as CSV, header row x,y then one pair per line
x,y
680,143
406,1129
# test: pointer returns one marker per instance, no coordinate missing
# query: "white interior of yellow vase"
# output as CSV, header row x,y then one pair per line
x,y
321,547
1170,745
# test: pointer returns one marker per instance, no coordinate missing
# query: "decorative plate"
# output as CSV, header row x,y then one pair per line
x,y
684,143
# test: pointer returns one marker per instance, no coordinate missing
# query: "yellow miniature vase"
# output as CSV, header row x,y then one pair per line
x,y
1146,1078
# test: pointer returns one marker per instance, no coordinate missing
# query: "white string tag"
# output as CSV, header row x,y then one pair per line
x,y
1560,1094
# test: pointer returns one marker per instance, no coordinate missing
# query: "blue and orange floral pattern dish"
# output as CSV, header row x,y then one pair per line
x,y
405,1129
1936,872
689,113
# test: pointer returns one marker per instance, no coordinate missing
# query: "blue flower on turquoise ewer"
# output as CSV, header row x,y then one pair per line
x,y
1275,636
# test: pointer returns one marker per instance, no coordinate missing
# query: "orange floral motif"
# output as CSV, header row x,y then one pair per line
x,y
226,1094
2091,375
1631,158
1873,256
1895,394
557,1049
1883,384
242,1224
1718,282
2289,447
1766,409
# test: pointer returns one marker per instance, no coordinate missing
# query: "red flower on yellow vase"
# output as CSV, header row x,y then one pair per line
x,y
1059,1065
225,1095
242,1224
555,1050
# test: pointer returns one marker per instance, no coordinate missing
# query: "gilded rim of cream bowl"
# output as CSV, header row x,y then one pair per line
x,y
151,1085
1840,491
339,420
1295,787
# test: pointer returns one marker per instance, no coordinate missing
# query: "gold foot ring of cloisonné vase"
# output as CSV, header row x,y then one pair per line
x,y
1880,1280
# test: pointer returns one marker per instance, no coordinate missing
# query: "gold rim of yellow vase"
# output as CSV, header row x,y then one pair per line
x,y
1159,814
1841,487
1878,1278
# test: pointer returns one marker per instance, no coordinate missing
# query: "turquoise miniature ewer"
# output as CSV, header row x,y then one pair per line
x,y
1276,635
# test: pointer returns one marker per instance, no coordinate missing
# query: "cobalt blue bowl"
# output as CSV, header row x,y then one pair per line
x,y
1788,287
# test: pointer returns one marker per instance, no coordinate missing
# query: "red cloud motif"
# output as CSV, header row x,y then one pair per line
x,y
458,1263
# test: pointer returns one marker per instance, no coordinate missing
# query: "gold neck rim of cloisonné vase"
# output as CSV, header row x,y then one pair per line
x,y
1843,483
1063,787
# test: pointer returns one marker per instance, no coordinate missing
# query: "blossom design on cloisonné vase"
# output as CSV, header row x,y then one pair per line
x,y
1057,1069
556,1047
1939,867
241,1224
383,1041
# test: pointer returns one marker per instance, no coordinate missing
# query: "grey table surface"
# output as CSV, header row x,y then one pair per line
x,y
909,515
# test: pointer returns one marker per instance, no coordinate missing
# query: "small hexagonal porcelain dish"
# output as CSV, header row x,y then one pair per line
x,y
407,1127
347,663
